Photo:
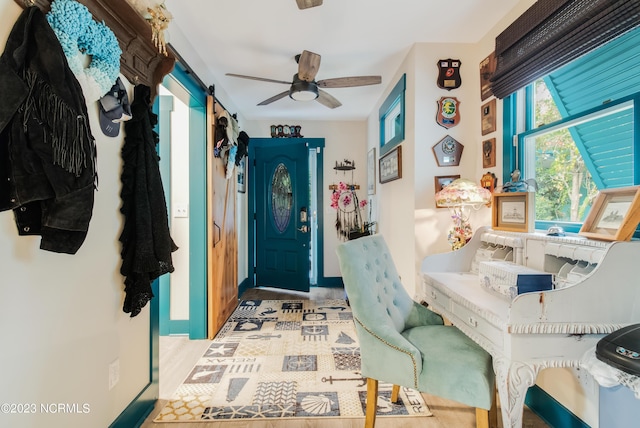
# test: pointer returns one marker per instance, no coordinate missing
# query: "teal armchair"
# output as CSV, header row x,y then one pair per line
x,y
406,344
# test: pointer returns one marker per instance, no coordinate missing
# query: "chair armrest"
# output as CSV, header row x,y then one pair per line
x,y
420,315
387,356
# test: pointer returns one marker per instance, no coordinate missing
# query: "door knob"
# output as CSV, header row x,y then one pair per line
x,y
303,229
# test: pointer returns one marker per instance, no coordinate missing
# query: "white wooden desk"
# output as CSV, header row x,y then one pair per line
x,y
600,293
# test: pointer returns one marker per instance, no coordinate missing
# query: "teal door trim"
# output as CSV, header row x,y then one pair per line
x,y
181,82
165,107
318,144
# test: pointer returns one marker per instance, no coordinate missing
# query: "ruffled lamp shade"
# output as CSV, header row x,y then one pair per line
x,y
463,192
459,196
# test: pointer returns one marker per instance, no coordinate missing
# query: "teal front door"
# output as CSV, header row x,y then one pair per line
x,y
282,221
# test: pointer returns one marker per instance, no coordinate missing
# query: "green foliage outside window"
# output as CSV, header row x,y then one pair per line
x,y
565,187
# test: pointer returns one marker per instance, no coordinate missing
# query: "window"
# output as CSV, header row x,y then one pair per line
x,y
576,131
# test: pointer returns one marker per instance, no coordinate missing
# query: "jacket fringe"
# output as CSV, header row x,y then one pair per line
x,y
66,129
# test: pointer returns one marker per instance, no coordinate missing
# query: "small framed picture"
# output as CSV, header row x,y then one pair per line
x,y
488,114
390,165
242,176
489,153
444,180
371,172
614,215
487,68
513,211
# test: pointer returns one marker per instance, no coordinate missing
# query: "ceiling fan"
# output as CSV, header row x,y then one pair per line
x,y
304,87
305,4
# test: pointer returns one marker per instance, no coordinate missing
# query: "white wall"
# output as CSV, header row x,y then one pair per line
x,y
61,315
343,140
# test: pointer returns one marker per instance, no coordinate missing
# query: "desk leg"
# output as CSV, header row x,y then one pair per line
x,y
513,378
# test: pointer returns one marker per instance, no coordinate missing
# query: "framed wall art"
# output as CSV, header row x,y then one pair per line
x,y
391,115
487,68
448,151
242,175
614,215
444,180
489,153
371,172
513,211
488,114
390,165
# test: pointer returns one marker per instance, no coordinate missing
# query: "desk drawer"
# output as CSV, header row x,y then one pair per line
x,y
478,324
435,297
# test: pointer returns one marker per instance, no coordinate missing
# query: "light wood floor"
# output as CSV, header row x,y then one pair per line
x,y
178,355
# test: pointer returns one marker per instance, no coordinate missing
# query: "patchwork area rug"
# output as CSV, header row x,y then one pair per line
x,y
283,359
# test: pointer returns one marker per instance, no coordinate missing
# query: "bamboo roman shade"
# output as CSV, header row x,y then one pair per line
x,y
551,33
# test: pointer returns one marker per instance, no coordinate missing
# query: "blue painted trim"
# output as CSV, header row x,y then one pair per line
x,y
396,96
508,131
550,410
636,139
179,327
165,107
197,197
197,223
245,285
331,282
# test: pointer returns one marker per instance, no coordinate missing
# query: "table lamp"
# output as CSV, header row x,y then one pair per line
x,y
460,196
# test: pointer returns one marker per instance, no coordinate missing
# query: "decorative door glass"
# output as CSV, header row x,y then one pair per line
x,y
281,197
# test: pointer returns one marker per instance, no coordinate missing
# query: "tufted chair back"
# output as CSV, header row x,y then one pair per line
x,y
382,309
381,293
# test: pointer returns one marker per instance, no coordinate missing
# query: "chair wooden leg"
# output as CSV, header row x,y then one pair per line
x,y
395,391
372,403
482,418
487,418
493,412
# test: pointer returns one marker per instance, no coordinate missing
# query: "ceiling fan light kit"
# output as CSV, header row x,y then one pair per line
x,y
303,91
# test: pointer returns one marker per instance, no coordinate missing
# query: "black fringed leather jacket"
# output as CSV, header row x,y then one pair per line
x,y
47,152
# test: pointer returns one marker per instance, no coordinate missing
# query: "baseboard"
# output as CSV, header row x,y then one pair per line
x,y
330,282
178,327
550,410
137,411
244,286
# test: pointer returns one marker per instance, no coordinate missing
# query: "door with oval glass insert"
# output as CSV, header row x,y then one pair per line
x,y
282,223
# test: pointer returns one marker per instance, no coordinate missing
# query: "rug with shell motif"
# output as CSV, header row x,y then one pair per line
x,y
283,359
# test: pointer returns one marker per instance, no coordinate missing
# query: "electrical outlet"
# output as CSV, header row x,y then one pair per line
x,y
180,211
114,373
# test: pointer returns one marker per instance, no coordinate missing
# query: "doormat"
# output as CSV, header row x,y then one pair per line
x,y
284,359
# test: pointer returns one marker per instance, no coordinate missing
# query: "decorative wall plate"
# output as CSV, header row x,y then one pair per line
x,y
448,151
448,114
449,74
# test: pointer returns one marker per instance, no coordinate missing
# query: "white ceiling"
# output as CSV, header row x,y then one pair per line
x,y
354,37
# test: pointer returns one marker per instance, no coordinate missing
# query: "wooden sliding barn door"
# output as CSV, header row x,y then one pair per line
x,y
222,288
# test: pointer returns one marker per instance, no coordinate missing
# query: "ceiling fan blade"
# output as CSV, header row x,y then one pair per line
x,y
274,98
327,99
308,65
305,4
262,79
348,82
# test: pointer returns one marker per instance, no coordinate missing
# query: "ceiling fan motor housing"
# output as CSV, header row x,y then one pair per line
x,y
303,91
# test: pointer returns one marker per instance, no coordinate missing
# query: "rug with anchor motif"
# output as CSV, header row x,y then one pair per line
x,y
283,359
